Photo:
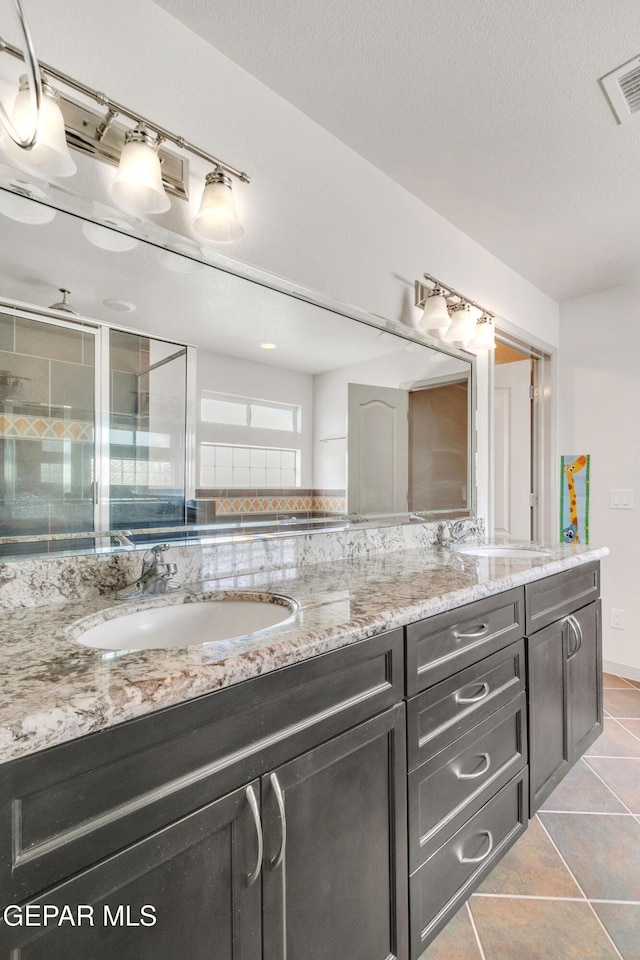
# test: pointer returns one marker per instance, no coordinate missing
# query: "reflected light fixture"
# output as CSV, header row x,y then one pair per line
x,y
46,121
463,329
217,218
267,345
138,187
435,317
107,236
16,202
50,155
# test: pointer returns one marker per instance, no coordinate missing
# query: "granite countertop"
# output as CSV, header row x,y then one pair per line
x,y
55,690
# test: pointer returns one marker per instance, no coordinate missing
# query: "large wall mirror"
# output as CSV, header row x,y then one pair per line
x,y
290,414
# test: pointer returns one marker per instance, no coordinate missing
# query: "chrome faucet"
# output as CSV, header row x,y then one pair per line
x,y
459,531
155,576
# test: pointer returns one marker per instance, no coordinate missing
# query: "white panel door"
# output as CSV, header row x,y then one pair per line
x,y
512,450
377,449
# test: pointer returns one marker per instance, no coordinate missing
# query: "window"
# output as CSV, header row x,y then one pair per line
x,y
228,465
249,412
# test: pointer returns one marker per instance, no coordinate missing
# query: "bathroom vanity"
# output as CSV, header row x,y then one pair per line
x,y
345,803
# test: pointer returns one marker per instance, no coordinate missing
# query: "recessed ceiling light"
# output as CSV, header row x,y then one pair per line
x,y
268,346
122,306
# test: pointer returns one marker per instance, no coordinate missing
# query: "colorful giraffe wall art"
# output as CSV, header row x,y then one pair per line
x,y
574,499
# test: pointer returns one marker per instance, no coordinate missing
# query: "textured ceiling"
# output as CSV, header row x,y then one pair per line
x,y
488,111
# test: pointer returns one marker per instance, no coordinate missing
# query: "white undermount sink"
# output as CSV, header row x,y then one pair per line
x,y
184,624
497,550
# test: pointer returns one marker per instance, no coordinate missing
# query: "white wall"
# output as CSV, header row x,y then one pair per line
x,y
600,405
316,212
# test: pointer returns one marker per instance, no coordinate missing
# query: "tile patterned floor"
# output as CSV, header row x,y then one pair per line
x,y
570,887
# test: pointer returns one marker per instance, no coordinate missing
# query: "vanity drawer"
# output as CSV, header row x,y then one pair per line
x,y
448,877
444,644
71,806
557,596
446,790
446,711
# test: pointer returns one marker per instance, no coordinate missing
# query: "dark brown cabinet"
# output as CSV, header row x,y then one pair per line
x,y
335,872
564,665
306,860
189,890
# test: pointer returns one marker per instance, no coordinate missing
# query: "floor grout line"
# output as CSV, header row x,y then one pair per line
x,y
606,932
589,813
528,896
475,931
626,729
608,787
555,846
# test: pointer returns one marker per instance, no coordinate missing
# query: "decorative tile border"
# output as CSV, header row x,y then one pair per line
x,y
18,426
231,506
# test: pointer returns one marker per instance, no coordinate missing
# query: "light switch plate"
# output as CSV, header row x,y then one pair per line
x,y
622,499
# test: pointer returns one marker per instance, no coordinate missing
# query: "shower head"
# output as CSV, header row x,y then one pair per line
x,y
64,303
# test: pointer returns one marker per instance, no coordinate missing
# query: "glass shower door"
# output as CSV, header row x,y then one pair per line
x,y
147,432
47,430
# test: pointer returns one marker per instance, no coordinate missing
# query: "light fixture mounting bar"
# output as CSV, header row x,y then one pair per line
x,y
117,108
452,296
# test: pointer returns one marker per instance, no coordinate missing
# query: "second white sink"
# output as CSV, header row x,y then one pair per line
x,y
188,623
495,550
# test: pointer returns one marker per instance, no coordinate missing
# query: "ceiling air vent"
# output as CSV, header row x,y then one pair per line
x,y
622,89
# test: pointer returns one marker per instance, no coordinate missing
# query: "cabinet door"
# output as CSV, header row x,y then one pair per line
x,y
198,874
585,678
335,870
549,745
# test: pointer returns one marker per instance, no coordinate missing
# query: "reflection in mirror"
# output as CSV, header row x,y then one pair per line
x,y
295,414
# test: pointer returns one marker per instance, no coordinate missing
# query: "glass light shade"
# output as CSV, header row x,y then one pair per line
x,y
463,325
138,188
50,156
20,206
217,218
435,317
484,338
106,239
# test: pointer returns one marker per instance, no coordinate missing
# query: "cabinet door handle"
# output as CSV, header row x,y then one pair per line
x,y
283,820
253,803
479,773
484,692
577,629
472,634
483,856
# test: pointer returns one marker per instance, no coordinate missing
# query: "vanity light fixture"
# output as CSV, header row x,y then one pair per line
x,y
137,188
435,317
268,346
463,324
484,337
217,218
100,235
50,155
463,329
147,170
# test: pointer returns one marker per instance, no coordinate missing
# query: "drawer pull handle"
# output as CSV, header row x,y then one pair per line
x,y
479,773
484,692
283,821
472,634
253,803
483,856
